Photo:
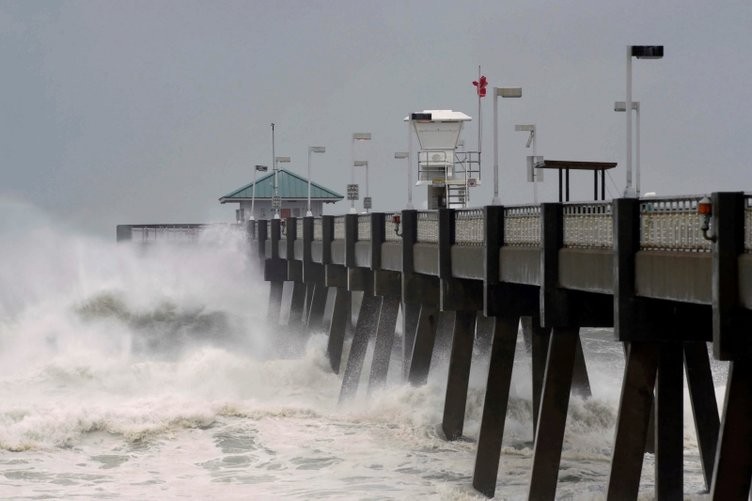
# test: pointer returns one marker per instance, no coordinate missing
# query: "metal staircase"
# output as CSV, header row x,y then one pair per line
x,y
456,195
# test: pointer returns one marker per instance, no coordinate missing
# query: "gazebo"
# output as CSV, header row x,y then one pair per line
x,y
293,194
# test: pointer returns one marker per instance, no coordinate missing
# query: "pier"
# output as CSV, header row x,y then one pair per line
x,y
641,266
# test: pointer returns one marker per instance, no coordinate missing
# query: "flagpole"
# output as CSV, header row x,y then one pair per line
x,y
480,118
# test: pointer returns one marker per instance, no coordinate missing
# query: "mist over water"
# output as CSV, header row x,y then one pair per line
x,y
150,373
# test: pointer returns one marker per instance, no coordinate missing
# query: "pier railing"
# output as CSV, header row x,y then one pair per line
x,y
588,225
671,224
339,227
318,231
172,233
428,227
522,225
468,228
666,224
364,227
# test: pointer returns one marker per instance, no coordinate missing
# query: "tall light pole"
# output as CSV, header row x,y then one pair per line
x,y
639,52
278,202
410,157
363,163
622,106
532,139
275,195
257,168
312,149
503,92
401,155
356,137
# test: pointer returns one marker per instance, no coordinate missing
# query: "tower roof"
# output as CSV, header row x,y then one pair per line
x,y
291,187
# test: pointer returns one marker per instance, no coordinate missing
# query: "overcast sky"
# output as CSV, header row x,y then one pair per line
x,y
149,111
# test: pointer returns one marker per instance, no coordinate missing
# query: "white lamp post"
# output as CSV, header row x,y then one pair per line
x,y
363,163
532,139
401,155
503,92
312,149
622,106
640,52
258,168
356,137
278,160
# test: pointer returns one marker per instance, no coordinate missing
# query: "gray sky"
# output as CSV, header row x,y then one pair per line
x,y
149,111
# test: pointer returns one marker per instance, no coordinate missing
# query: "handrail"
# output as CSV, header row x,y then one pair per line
x,y
588,225
364,227
428,227
671,224
522,225
339,227
468,227
318,229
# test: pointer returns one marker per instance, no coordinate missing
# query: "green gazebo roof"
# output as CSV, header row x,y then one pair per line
x,y
291,187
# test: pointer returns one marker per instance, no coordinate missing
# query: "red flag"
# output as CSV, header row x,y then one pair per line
x,y
480,86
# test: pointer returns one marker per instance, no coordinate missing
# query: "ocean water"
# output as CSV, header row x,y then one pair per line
x,y
136,373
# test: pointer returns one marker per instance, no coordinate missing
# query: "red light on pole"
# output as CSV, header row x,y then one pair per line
x,y
480,86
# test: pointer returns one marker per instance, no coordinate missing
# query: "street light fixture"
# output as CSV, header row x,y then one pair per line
x,y
532,139
312,149
356,137
511,92
257,168
402,155
639,52
363,163
622,106
276,200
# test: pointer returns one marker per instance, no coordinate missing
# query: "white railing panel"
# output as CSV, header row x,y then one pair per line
x,y
468,227
318,229
364,227
339,227
588,225
522,225
672,224
428,227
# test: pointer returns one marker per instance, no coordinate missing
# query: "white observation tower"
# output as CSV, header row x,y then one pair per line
x,y
447,173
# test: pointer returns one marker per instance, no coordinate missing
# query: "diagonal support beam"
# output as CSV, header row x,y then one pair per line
x,y
733,462
368,317
495,405
704,404
425,336
459,374
552,417
382,350
632,422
